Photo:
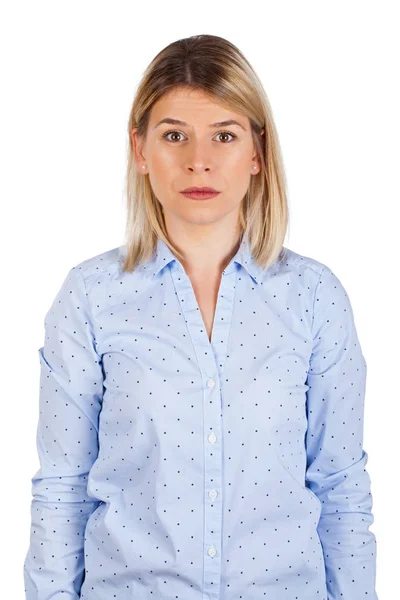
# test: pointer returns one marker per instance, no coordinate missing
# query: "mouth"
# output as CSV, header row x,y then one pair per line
x,y
200,193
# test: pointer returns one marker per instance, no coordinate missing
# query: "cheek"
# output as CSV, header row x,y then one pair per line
x,y
162,173
237,163
162,163
237,175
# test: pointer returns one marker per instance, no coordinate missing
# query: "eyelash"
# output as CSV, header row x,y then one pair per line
x,y
164,135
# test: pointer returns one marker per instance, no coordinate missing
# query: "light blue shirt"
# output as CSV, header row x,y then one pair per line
x,y
175,468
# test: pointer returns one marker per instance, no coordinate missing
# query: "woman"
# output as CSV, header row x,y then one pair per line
x,y
202,386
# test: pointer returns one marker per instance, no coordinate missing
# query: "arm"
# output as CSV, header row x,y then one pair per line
x,y
336,460
71,388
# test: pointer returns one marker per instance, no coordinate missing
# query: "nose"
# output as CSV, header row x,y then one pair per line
x,y
199,157
197,168
199,162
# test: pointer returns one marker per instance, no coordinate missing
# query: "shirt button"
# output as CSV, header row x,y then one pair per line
x,y
213,494
211,383
211,438
212,551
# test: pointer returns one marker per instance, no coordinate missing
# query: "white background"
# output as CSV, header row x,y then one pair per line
x,y
69,71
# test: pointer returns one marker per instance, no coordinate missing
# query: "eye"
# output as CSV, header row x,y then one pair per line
x,y
174,131
167,133
227,133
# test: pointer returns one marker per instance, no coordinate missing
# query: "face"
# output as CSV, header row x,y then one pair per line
x,y
198,153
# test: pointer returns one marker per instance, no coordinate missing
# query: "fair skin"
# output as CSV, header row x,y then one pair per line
x,y
206,232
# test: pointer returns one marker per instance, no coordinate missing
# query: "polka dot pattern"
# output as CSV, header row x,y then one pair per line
x,y
173,467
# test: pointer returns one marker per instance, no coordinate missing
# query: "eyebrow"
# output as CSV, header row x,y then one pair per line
x,y
171,121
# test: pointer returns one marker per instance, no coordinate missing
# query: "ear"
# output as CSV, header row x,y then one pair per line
x,y
137,145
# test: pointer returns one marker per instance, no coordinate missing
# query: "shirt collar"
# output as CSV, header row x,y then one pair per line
x,y
163,256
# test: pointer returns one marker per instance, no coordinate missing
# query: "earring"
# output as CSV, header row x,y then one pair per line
x,y
143,166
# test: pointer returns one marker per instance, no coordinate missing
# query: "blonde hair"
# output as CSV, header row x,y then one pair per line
x,y
218,68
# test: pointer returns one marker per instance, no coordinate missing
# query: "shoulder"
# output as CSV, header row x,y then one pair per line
x,y
101,265
329,294
300,269
102,279
319,279
299,263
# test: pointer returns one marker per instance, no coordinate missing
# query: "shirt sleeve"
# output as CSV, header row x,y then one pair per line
x,y
71,389
336,461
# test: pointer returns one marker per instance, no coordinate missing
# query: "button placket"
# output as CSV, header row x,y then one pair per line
x,y
211,358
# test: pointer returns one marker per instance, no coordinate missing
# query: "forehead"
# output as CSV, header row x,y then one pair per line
x,y
189,105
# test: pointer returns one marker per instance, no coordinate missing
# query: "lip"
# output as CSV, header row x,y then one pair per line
x,y
200,195
203,189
